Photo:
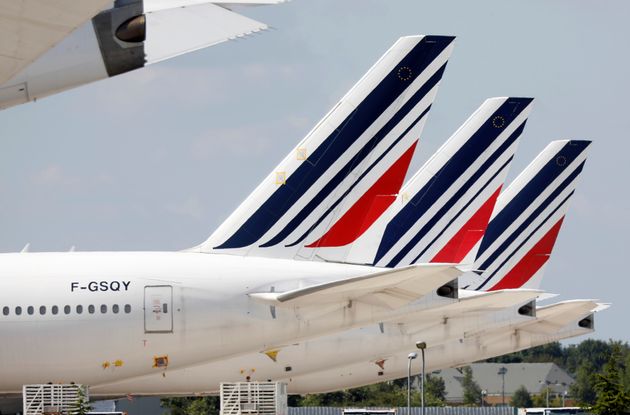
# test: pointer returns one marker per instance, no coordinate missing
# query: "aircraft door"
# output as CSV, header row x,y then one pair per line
x,y
158,309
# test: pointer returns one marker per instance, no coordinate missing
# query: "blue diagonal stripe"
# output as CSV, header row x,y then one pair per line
x,y
424,199
519,203
531,218
379,99
491,275
456,198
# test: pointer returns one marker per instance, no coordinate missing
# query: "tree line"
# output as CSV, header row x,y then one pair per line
x,y
601,371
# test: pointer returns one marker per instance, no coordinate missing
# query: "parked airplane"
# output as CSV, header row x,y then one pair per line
x,y
48,47
174,309
566,320
359,356
520,238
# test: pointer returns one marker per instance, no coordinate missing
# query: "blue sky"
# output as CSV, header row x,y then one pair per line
x,y
156,159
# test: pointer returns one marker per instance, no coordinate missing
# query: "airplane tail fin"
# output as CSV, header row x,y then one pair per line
x,y
527,218
442,212
361,149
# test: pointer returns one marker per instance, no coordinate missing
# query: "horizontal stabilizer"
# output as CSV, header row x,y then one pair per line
x,y
392,288
469,302
553,317
493,300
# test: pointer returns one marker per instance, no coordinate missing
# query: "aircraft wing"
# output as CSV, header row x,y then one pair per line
x,y
391,288
175,27
28,28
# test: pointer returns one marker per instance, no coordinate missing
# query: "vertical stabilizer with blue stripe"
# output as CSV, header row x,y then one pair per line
x,y
361,149
442,212
526,220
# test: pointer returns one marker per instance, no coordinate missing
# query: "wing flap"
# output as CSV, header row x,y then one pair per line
x,y
175,31
391,288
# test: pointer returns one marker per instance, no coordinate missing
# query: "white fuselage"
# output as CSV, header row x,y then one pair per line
x,y
362,347
117,312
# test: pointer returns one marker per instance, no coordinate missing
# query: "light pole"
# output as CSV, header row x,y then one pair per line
x,y
548,386
422,346
547,395
411,356
502,372
564,395
483,397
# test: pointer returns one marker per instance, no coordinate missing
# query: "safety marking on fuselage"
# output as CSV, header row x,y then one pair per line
x,y
272,354
112,364
160,361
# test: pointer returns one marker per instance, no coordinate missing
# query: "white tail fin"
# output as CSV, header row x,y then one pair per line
x,y
358,151
527,218
442,212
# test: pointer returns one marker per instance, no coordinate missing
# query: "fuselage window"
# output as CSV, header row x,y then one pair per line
x,y
30,310
55,309
127,308
66,309
115,309
5,311
18,310
91,309
79,309
42,310
103,309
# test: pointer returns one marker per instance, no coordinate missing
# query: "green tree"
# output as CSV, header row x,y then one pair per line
x,y
595,352
612,398
435,391
539,401
82,405
583,388
472,391
207,405
521,398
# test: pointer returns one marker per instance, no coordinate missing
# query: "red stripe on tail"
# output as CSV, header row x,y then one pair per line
x,y
369,207
467,237
531,262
